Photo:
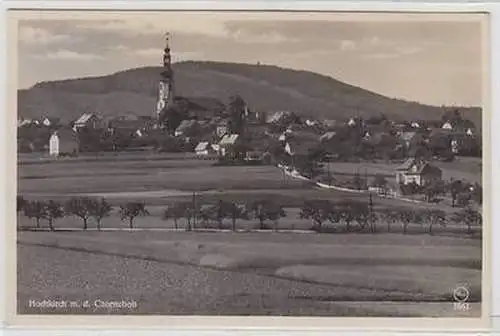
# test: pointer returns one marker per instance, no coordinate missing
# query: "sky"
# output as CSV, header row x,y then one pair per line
x,y
432,59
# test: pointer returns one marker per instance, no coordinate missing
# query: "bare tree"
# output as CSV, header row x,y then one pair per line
x,y
238,211
433,217
347,214
36,210
21,203
173,212
390,217
468,216
318,211
99,208
79,207
406,216
53,211
129,211
265,210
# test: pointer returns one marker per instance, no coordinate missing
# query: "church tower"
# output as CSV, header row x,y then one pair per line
x,y
166,84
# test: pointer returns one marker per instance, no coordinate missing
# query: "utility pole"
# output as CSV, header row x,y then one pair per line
x,y
194,209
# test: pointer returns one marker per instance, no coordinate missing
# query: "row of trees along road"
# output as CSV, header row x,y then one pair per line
x,y
354,216
81,207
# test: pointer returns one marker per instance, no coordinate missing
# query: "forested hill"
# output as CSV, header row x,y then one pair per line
x,y
263,87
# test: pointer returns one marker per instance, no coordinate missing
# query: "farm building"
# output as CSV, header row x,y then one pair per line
x,y
63,141
205,148
417,171
228,144
89,120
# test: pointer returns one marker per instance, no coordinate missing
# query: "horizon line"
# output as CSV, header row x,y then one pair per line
x,y
258,63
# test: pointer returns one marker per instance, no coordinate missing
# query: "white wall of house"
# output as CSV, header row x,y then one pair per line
x,y
54,145
202,152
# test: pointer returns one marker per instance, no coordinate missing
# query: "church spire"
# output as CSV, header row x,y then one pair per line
x,y
166,84
167,60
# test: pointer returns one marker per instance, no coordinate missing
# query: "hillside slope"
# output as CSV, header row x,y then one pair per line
x,y
263,87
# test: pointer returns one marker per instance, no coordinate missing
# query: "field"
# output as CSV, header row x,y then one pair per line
x,y
250,273
258,273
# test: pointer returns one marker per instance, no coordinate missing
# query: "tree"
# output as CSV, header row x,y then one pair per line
x,y
173,212
455,188
307,165
21,203
347,213
434,217
468,216
98,209
434,189
362,215
53,211
265,210
79,207
390,217
129,211
36,210
318,211
477,193
379,181
358,182
238,211
275,213
463,199
221,210
406,216
188,211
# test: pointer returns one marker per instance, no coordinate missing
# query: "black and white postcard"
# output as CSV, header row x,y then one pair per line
x,y
266,165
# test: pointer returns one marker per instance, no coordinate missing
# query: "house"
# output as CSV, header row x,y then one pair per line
x,y
447,125
88,120
185,126
47,122
329,123
63,141
222,128
280,116
459,125
418,171
27,122
254,156
205,148
228,143
311,123
130,127
407,138
327,136
352,122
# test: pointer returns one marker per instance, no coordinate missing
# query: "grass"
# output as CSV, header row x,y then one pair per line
x,y
326,268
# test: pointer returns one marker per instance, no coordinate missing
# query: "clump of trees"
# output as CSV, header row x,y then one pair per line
x,y
83,208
